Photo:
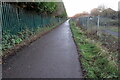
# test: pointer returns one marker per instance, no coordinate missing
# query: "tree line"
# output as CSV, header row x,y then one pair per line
x,y
105,12
102,11
39,7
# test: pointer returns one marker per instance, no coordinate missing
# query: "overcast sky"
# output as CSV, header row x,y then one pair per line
x,y
78,6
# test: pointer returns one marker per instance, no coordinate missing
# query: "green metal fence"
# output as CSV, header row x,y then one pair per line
x,y
16,19
18,25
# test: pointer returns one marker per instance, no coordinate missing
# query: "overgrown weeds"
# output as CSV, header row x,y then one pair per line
x,y
97,61
9,40
107,40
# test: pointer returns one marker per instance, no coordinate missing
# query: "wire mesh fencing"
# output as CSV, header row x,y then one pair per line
x,y
99,24
101,28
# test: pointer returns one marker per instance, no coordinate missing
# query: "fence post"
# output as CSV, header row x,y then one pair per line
x,y
1,39
0,33
98,24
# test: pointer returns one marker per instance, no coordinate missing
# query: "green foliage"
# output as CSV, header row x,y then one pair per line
x,y
94,61
9,40
41,7
63,15
21,25
16,40
49,7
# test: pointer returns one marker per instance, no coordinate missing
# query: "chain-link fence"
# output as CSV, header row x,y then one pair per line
x,y
101,28
99,24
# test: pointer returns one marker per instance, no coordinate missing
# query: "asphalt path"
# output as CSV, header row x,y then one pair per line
x,y
54,55
117,34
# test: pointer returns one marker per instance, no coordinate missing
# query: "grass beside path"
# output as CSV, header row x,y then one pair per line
x,y
96,62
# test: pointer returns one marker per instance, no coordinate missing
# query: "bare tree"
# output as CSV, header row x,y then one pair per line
x,y
101,8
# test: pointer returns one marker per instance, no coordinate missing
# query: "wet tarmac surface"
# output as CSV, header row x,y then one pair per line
x,y
54,55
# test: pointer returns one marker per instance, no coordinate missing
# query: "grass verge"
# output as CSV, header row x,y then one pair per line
x,y
96,61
